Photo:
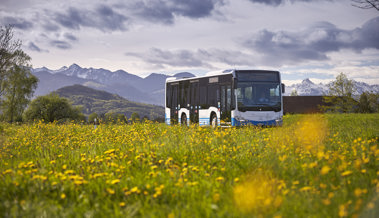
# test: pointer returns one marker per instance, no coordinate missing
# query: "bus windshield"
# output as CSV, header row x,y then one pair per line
x,y
258,96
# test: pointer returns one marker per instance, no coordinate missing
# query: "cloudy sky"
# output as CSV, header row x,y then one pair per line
x,y
314,39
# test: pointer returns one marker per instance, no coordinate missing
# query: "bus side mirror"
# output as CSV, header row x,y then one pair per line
x,y
283,88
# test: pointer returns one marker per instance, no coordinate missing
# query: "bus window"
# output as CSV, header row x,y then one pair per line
x,y
168,96
228,98
223,98
213,95
203,97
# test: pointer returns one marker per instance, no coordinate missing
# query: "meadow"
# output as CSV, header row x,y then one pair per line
x,y
312,166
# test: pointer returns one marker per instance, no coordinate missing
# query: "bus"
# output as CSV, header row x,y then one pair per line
x,y
226,98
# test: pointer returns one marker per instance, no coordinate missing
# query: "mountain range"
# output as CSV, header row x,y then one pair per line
x,y
308,88
134,88
145,90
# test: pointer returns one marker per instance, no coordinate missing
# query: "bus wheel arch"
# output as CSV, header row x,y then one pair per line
x,y
213,119
183,119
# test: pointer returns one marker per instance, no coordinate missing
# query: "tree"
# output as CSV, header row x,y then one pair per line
x,y
17,93
366,4
364,104
339,98
92,117
17,84
135,117
368,103
294,93
121,118
52,108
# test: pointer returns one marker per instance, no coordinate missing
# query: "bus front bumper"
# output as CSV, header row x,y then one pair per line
x,y
241,122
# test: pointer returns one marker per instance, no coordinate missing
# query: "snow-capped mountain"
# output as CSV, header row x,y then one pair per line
x,y
308,88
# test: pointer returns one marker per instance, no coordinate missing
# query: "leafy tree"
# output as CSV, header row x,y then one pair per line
x,y
294,93
121,118
17,84
135,117
17,93
364,104
339,98
368,103
52,108
92,117
110,117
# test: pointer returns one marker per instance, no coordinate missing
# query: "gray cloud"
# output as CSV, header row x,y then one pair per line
x,y
103,18
34,47
197,58
60,44
71,37
164,11
313,43
178,58
50,27
280,2
16,22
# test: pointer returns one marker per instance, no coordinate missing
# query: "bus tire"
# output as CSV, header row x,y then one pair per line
x,y
213,120
184,119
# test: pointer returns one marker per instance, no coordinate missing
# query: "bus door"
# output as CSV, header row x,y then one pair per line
x,y
174,103
226,103
194,101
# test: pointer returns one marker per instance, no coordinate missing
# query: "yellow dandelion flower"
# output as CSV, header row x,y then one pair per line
x,y
346,173
220,179
63,196
110,151
115,181
110,191
134,190
358,192
326,201
305,188
342,211
122,204
325,170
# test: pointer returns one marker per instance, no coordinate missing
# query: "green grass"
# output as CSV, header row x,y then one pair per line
x,y
313,166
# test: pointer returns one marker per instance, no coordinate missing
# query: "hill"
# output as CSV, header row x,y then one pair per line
x,y
102,102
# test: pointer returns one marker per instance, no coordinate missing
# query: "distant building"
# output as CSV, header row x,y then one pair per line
x,y
302,104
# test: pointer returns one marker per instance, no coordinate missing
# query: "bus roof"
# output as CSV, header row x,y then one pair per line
x,y
210,74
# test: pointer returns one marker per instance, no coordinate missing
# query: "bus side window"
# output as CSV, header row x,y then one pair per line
x,y
203,97
174,101
213,95
228,98
223,99
168,95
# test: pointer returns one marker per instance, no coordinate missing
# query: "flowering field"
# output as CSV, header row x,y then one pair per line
x,y
315,165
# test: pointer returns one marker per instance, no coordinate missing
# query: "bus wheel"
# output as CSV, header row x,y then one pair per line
x,y
213,120
184,119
